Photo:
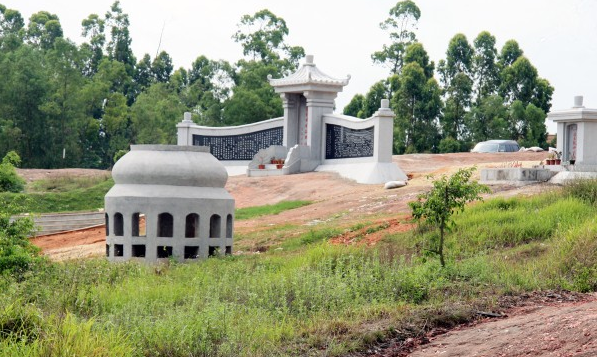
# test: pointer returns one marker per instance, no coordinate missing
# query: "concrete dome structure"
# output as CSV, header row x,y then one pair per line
x,y
168,201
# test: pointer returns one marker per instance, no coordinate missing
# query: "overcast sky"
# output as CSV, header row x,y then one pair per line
x,y
558,36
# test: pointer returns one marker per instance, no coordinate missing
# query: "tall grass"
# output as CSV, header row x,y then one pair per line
x,y
310,298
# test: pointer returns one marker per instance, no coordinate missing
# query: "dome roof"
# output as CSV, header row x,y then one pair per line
x,y
170,165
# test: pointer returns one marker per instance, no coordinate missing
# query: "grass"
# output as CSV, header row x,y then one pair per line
x,y
77,199
309,298
65,183
267,210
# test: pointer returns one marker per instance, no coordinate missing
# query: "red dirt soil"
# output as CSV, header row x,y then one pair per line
x,y
344,200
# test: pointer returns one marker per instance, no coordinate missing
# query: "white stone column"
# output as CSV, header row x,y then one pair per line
x,y
318,104
291,129
384,133
183,128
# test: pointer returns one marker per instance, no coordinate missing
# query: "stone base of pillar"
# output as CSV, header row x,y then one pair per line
x,y
367,173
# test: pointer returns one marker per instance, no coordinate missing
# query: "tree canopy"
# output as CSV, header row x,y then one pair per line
x,y
64,104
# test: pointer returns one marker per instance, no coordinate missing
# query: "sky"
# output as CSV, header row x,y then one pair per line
x,y
558,36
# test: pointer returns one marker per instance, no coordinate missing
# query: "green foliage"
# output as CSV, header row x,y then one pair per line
x,y
417,104
448,145
401,25
80,199
449,195
17,254
119,154
252,212
10,181
577,257
585,190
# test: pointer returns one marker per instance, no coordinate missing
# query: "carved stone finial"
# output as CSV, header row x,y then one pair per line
x,y
269,77
578,101
309,60
385,104
187,117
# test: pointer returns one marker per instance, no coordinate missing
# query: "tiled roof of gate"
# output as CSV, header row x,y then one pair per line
x,y
308,74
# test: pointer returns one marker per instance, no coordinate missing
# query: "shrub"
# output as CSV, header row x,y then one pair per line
x,y
10,181
448,145
449,195
17,254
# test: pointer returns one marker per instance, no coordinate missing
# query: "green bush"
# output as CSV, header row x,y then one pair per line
x,y
17,254
10,181
448,145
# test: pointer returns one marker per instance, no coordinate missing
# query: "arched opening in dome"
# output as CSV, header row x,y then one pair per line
x,y
214,226
165,225
229,226
107,224
118,224
192,226
138,225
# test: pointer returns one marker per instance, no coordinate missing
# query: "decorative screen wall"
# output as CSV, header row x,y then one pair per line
x,y
344,143
240,147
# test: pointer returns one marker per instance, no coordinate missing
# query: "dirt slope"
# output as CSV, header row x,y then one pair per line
x,y
336,197
552,329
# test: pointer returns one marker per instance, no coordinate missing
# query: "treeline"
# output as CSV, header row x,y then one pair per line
x,y
69,105
481,94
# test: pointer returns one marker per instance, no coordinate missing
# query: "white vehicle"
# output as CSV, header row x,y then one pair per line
x,y
496,146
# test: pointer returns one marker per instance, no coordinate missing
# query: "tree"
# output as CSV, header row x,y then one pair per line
x,y
449,195
510,53
417,104
527,124
119,46
63,107
11,28
43,29
401,24
162,67
17,254
93,29
521,81
455,74
23,90
355,106
488,119
155,114
485,67
10,181
262,36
